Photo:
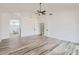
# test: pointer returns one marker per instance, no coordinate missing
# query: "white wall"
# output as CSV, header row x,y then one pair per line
x,y
63,24
4,25
24,12
29,25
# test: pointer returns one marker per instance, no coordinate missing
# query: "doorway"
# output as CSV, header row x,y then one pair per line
x,y
15,30
43,29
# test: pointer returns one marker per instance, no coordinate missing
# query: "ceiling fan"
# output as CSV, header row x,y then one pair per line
x,y
41,12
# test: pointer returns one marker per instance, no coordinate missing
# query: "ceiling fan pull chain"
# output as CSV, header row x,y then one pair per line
x,y
40,7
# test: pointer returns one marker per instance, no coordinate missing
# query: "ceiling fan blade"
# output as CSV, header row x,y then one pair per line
x,y
43,11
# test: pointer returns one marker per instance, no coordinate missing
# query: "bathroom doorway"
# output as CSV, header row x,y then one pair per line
x,y
41,29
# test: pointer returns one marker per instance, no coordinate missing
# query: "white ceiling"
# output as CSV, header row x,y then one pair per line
x,y
26,7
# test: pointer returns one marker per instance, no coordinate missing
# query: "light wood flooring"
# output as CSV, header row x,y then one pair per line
x,y
38,45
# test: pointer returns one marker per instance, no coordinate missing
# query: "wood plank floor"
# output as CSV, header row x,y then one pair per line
x,y
38,45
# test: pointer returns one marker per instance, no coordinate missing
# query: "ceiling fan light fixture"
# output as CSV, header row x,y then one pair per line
x,y
40,12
